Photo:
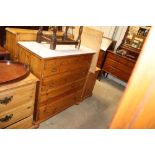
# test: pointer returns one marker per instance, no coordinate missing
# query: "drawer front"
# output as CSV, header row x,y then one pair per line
x,y
62,65
16,114
120,59
58,92
116,72
15,97
118,65
23,124
61,79
53,108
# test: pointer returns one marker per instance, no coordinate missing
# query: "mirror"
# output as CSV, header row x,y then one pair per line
x,y
133,41
136,36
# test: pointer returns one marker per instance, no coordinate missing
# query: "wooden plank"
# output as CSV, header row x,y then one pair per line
x,y
92,39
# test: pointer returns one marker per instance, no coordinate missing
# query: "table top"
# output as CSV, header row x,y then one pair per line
x,y
12,71
43,49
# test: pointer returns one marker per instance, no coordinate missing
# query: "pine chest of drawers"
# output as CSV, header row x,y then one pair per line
x,y
119,66
62,79
17,103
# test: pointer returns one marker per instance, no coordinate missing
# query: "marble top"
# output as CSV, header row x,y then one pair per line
x,y
43,49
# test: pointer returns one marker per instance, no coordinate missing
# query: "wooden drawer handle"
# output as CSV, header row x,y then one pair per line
x,y
6,100
6,118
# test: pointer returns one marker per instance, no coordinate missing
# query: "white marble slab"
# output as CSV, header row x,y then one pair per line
x,y
43,50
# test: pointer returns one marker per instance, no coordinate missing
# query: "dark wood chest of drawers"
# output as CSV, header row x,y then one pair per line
x,y
119,66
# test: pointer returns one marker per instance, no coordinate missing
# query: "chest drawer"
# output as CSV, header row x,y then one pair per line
x,y
53,108
116,72
118,65
15,97
59,92
23,124
62,79
16,114
120,59
61,65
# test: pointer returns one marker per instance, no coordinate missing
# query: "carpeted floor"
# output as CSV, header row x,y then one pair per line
x,y
95,112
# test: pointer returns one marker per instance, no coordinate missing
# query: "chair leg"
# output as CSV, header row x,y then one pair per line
x,y
106,75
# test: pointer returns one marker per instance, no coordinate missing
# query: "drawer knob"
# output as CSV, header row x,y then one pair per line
x,y
6,118
6,100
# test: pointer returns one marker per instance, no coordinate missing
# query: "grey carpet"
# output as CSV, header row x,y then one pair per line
x,y
95,112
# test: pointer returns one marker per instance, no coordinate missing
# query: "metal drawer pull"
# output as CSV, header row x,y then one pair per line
x,y
6,118
6,100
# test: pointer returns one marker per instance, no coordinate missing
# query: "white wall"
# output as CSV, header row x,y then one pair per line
x,y
119,34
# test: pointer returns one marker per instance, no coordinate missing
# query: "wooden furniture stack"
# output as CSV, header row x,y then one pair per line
x,y
62,79
17,103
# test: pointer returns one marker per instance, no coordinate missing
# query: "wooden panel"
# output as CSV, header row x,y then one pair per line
x,y
35,63
24,56
100,59
137,106
11,45
89,84
17,96
36,66
17,113
23,124
91,38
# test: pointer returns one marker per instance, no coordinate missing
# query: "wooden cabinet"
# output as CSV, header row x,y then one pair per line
x,y
61,81
17,103
119,66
